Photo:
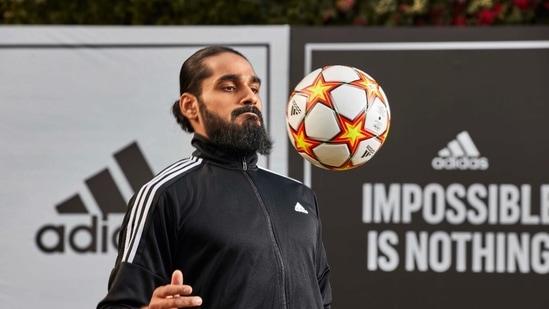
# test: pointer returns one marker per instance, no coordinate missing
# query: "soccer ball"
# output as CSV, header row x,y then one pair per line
x,y
337,117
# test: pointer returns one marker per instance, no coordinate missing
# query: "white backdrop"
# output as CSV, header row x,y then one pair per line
x,y
70,98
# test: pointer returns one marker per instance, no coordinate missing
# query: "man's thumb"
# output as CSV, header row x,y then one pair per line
x,y
177,277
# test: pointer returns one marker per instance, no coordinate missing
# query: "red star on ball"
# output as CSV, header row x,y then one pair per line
x,y
371,86
352,132
319,91
302,143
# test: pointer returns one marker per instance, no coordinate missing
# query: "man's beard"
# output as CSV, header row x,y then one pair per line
x,y
237,139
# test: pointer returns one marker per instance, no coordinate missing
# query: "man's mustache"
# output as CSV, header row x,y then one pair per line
x,y
247,109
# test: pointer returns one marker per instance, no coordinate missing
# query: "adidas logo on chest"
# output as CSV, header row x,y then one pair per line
x,y
299,208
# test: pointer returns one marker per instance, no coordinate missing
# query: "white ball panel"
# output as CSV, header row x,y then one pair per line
x,y
340,73
321,123
332,154
365,151
349,101
308,79
296,110
290,135
311,159
376,118
386,100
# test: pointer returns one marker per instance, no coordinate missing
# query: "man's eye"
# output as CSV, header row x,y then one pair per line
x,y
255,90
229,88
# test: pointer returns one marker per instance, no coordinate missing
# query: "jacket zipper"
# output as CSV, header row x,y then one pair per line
x,y
274,241
244,164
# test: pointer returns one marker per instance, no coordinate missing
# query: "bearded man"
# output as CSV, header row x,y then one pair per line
x,y
243,236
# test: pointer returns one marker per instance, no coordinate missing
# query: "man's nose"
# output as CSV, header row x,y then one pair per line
x,y
250,97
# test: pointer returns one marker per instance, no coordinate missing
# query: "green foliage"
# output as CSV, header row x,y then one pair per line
x,y
265,12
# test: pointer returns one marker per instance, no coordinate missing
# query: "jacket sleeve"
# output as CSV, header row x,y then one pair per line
x,y
323,269
144,255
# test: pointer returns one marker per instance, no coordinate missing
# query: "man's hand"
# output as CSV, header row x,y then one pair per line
x,y
174,295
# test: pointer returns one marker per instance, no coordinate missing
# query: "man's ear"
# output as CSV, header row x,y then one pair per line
x,y
188,105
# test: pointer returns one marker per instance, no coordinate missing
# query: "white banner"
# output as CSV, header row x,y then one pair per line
x,y
83,110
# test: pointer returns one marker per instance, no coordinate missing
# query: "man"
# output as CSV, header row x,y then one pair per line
x,y
215,230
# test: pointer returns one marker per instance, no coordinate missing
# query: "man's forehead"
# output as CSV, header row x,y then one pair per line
x,y
229,63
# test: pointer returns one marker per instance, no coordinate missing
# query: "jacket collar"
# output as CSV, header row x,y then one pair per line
x,y
207,150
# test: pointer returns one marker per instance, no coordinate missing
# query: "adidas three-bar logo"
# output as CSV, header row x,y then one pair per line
x,y
299,208
104,189
460,153
295,109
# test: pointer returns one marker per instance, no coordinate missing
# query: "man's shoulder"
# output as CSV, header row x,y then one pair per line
x,y
174,172
182,166
280,177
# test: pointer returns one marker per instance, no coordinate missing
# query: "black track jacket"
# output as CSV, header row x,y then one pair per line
x,y
243,236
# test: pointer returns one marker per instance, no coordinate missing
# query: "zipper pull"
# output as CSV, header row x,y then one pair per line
x,y
244,164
